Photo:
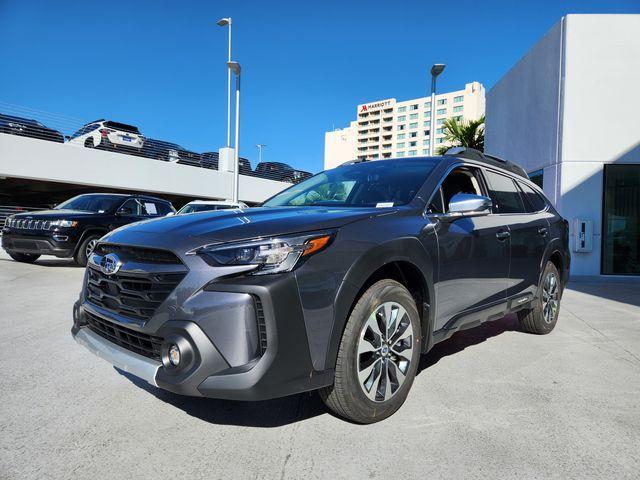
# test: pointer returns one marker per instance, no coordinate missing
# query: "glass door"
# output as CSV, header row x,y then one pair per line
x,y
621,220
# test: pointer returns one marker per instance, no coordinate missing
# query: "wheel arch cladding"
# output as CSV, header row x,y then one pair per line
x,y
88,232
404,260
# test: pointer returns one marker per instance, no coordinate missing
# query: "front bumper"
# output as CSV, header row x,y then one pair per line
x,y
38,244
225,352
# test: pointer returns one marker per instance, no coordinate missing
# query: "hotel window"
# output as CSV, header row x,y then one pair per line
x,y
401,127
442,101
413,107
399,154
439,140
459,108
402,109
400,136
425,142
442,111
413,116
413,153
427,114
440,130
427,123
458,99
425,151
413,134
458,118
427,104
400,145
413,144
402,118
413,125
426,132
440,121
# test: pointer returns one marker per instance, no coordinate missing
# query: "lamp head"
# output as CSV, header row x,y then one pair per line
x,y
235,67
224,21
437,69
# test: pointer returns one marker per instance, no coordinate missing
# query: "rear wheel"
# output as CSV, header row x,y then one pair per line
x,y
542,318
24,257
89,143
378,355
86,249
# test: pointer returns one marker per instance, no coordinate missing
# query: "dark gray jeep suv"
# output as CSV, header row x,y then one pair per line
x,y
338,283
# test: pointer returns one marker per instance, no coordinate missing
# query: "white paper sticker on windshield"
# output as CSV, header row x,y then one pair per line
x,y
384,204
150,208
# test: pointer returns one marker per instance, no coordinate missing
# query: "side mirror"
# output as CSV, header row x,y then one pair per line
x,y
466,203
170,214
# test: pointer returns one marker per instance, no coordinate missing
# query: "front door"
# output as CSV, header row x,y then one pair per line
x,y
473,253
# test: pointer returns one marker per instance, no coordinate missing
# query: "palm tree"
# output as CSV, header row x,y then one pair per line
x,y
465,133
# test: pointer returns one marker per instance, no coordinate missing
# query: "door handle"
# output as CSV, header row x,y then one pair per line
x,y
543,231
503,235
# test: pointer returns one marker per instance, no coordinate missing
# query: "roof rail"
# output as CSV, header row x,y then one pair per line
x,y
473,154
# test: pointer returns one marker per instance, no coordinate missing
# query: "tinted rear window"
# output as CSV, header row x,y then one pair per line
x,y
504,194
533,201
122,126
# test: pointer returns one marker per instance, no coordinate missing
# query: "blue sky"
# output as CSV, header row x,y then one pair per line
x,y
306,64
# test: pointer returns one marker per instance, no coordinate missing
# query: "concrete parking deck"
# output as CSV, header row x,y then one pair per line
x,y
491,402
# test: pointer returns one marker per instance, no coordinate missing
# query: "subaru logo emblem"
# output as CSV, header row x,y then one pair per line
x,y
110,264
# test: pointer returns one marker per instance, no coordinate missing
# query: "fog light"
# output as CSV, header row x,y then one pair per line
x,y
174,355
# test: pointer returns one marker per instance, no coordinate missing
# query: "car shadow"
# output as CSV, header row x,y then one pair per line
x,y
468,338
295,408
49,262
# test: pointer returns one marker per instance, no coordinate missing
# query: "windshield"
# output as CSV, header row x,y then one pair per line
x,y
202,207
91,203
372,184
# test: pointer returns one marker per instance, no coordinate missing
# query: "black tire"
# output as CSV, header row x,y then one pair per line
x,y
82,255
542,318
89,143
24,257
347,396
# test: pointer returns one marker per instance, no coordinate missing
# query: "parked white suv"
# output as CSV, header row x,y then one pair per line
x,y
108,135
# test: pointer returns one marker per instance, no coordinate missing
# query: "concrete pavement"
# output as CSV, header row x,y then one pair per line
x,y
491,402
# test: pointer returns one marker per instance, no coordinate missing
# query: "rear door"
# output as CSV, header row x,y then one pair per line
x,y
529,229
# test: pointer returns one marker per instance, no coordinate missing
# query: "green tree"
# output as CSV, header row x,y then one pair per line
x,y
465,133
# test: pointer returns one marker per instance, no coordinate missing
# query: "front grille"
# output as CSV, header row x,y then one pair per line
x,y
262,326
26,224
137,342
139,254
135,296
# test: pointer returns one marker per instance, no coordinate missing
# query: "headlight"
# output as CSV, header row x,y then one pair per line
x,y
8,221
274,255
64,223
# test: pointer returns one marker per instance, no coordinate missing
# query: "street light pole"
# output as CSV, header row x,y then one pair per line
x,y
235,67
222,22
260,147
436,70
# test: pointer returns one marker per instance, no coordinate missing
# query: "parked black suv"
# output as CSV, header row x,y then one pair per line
x,y
73,228
338,283
27,127
281,172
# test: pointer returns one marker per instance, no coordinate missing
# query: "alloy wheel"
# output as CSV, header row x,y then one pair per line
x,y
385,351
90,246
550,302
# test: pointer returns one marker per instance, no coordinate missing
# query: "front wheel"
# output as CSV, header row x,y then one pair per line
x,y
24,257
378,355
543,316
86,249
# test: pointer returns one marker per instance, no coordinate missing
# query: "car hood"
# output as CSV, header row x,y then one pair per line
x,y
54,214
232,225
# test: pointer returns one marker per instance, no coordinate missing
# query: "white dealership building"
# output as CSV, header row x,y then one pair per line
x,y
391,129
568,113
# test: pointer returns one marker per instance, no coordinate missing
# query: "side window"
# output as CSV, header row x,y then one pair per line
x,y
504,193
155,208
460,180
533,201
130,207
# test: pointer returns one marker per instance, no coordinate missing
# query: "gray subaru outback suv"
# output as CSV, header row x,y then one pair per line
x,y
337,284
